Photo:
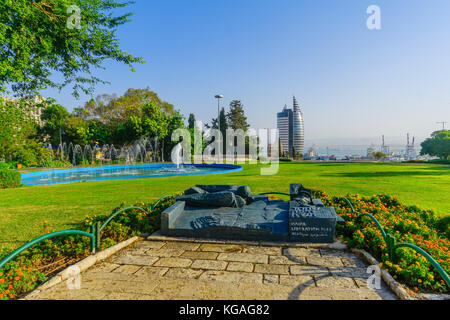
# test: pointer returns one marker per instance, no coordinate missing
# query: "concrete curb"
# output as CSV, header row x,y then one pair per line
x,y
82,265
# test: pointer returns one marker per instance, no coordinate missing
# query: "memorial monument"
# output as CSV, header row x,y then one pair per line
x,y
232,212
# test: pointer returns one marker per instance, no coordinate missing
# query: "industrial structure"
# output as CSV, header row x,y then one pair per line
x,y
410,153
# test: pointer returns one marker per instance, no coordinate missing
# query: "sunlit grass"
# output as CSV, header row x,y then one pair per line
x,y
24,210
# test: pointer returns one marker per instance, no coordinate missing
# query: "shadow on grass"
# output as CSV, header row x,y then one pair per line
x,y
376,174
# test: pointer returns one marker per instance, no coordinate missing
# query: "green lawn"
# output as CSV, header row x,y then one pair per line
x,y
24,210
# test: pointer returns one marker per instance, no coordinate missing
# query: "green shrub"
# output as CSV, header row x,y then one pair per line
x,y
4,165
443,225
9,179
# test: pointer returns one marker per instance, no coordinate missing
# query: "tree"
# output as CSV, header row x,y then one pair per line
x,y
378,155
191,121
438,145
69,38
54,117
77,131
236,117
113,111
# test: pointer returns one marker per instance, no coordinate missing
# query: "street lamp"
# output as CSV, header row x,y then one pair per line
x,y
218,97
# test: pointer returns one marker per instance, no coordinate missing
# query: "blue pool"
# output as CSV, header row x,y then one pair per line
x,y
123,172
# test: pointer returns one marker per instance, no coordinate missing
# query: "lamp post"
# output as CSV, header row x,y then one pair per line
x,y
218,97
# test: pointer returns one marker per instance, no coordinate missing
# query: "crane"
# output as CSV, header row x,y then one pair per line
x,y
443,124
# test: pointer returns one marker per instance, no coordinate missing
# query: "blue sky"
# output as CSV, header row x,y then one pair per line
x,y
350,81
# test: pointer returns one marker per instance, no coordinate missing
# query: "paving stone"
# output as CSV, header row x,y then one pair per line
x,y
253,272
135,260
286,260
349,272
165,253
234,277
354,262
335,282
262,250
105,267
160,271
83,294
176,245
324,262
336,253
127,269
271,279
122,296
327,293
272,269
373,294
144,286
183,273
300,252
173,262
209,264
343,294
220,247
244,257
240,266
309,271
200,255
148,244
297,280
134,251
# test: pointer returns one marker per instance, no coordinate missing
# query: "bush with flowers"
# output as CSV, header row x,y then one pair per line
x,y
33,266
410,224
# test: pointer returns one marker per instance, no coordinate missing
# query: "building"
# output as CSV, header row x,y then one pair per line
x,y
291,130
285,125
299,130
33,108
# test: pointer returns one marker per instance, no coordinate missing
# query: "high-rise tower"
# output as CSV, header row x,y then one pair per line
x,y
291,130
299,130
285,128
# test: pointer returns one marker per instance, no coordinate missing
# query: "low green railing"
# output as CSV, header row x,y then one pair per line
x,y
100,226
392,246
94,234
16,252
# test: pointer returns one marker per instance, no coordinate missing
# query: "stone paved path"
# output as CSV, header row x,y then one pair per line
x,y
156,269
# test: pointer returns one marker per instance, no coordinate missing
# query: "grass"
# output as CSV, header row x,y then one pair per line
x,y
24,210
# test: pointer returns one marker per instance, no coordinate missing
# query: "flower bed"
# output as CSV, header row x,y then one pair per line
x,y
424,228
35,265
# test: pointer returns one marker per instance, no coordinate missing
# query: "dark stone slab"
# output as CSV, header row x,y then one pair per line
x,y
300,193
232,212
194,190
217,187
213,200
311,224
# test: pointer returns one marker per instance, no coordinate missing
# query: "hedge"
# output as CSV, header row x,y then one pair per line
x,y
9,179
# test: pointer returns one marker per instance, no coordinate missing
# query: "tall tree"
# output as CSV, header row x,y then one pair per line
x,y
191,121
438,145
54,117
236,117
69,38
